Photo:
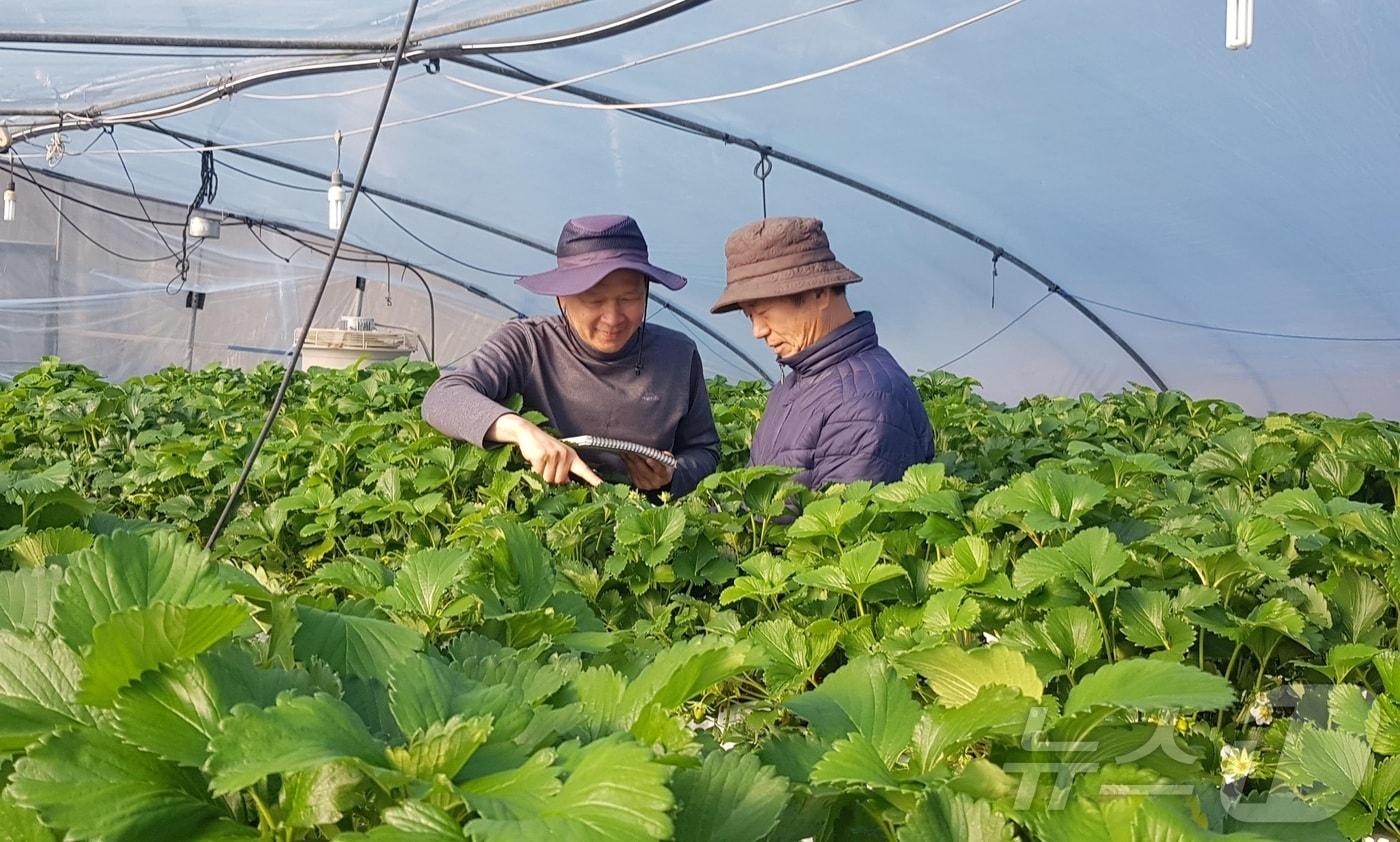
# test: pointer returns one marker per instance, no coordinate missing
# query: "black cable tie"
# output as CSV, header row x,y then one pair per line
x,y
1054,288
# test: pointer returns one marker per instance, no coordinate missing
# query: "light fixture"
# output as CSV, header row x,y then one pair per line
x,y
203,226
335,196
1239,24
10,191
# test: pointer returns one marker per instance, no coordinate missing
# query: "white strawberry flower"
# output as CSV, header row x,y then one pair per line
x,y
1260,710
1236,764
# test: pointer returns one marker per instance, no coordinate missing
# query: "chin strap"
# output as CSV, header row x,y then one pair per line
x,y
642,331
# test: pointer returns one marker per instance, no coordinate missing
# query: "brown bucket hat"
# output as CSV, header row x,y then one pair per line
x,y
779,256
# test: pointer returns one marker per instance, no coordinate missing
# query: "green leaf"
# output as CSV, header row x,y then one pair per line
x,y
1147,685
957,675
600,691
1361,603
124,571
443,749
298,733
1345,657
1089,559
176,711
941,816
424,692
21,824
362,647
11,534
1387,665
26,598
1334,476
35,549
1052,500
38,689
1147,619
826,517
524,572
97,787
1068,638
424,580
967,564
652,533
1333,765
995,710
863,696
412,821
1383,726
613,791
141,639
684,671
319,796
523,790
856,571
1384,784
1347,707
950,611
854,763
792,655
732,797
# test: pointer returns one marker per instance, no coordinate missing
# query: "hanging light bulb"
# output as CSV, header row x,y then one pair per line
x,y
335,196
10,189
1239,24
335,200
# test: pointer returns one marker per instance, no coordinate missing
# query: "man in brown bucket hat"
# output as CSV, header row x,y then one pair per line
x,y
846,411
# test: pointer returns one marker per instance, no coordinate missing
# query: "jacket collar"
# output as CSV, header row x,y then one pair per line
x,y
846,341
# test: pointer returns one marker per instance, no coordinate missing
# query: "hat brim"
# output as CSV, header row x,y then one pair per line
x,y
577,279
784,283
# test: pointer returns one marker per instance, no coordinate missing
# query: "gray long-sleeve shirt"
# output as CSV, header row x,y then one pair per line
x,y
584,392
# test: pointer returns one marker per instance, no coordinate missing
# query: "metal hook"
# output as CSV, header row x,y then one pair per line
x,y
761,171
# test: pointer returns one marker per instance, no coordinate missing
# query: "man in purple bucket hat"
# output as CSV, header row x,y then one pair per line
x,y
596,369
847,411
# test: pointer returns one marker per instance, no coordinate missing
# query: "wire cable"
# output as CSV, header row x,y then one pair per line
x,y
1004,328
507,97
85,235
111,132
1268,334
434,249
150,54
281,394
372,257
327,94
432,313
527,96
209,94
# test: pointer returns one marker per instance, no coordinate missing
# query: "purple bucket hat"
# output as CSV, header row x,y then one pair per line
x,y
590,247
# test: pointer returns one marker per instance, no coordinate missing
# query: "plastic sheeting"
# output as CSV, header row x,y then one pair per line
x,y
65,295
1241,204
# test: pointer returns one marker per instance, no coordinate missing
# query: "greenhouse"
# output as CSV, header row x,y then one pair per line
x,y
699,420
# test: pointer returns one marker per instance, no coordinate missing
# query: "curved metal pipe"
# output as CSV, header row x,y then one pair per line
x,y
840,178
90,118
219,42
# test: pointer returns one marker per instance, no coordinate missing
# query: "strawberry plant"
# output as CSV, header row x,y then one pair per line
x,y
1137,616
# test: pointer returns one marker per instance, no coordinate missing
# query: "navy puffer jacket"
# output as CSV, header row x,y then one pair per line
x,y
846,412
